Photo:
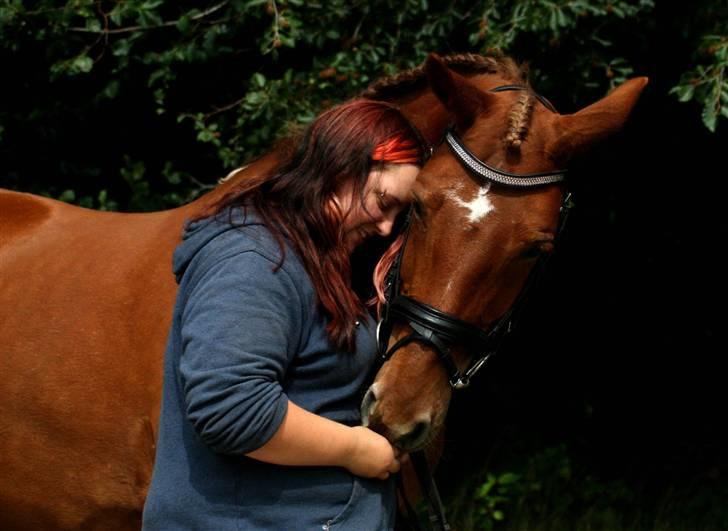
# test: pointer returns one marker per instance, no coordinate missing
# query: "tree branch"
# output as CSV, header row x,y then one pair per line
x,y
131,29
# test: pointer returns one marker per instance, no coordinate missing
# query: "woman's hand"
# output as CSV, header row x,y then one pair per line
x,y
306,439
371,456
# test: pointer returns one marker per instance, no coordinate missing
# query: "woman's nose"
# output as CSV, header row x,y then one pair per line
x,y
384,227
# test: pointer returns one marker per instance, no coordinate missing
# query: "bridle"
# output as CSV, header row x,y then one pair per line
x,y
439,329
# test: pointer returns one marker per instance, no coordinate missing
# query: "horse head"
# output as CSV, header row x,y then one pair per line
x,y
478,229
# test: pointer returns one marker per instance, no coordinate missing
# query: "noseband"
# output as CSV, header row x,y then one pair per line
x,y
438,329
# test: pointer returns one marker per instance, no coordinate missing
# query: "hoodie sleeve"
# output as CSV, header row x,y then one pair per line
x,y
239,328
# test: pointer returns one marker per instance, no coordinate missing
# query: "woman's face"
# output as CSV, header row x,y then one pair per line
x,y
387,192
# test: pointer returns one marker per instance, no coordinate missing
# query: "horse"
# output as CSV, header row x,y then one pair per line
x,y
491,201
87,298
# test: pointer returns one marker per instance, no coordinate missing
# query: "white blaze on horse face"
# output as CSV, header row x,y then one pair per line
x,y
478,207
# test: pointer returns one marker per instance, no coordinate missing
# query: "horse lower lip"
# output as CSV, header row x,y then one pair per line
x,y
410,446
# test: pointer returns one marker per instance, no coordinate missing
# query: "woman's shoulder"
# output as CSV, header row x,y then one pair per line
x,y
231,234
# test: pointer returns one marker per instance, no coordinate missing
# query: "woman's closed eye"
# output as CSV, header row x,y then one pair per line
x,y
388,203
383,201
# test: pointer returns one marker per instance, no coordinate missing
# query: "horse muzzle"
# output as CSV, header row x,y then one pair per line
x,y
408,436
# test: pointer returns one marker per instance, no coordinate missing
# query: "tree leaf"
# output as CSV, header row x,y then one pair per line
x,y
710,119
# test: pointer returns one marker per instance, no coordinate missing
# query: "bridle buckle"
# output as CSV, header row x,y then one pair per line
x,y
463,381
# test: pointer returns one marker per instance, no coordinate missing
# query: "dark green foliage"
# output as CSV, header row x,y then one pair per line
x,y
551,489
706,80
190,91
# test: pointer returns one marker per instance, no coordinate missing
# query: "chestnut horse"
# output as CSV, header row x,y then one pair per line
x,y
488,209
87,296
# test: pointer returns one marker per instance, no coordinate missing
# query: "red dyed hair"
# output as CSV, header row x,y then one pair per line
x,y
398,150
380,273
345,143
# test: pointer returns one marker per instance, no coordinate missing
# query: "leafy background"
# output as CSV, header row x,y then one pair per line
x,y
605,410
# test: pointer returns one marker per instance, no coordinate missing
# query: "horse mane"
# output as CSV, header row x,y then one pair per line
x,y
466,64
410,80
406,81
518,119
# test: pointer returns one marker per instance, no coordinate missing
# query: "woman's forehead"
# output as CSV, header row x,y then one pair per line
x,y
393,174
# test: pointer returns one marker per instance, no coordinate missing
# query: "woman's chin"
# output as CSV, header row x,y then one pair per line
x,y
352,244
353,241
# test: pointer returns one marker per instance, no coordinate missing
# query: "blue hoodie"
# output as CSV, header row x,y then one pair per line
x,y
244,340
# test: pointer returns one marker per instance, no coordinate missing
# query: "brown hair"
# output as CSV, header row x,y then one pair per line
x,y
294,200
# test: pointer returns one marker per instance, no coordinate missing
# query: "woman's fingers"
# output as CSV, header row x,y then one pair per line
x,y
393,468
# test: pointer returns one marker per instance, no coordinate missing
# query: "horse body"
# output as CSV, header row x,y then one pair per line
x,y
86,300
87,296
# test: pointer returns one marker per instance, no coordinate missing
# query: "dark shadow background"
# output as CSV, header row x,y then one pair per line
x,y
619,354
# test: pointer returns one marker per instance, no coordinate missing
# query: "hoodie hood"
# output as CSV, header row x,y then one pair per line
x,y
197,234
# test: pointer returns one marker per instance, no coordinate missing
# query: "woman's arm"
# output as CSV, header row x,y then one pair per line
x,y
238,333
305,438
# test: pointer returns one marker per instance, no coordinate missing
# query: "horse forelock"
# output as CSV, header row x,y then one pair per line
x,y
519,117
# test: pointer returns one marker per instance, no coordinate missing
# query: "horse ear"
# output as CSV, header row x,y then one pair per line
x,y
580,130
463,100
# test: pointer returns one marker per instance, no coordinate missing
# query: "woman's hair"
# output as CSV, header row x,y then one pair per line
x,y
295,199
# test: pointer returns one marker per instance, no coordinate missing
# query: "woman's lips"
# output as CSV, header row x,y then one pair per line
x,y
356,238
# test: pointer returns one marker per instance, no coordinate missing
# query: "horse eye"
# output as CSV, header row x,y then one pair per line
x,y
532,252
538,249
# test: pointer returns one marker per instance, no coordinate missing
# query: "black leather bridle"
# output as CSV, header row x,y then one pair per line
x,y
439,329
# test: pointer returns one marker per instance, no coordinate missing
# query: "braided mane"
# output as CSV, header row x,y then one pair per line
x,y
463,63
407,81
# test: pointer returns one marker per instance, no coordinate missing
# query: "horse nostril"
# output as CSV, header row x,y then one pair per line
x,y
416,437
368,404
420,431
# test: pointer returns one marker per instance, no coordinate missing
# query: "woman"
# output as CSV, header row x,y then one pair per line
x,y
270,345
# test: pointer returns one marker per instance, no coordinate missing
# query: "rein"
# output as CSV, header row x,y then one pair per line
x,y
439,329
